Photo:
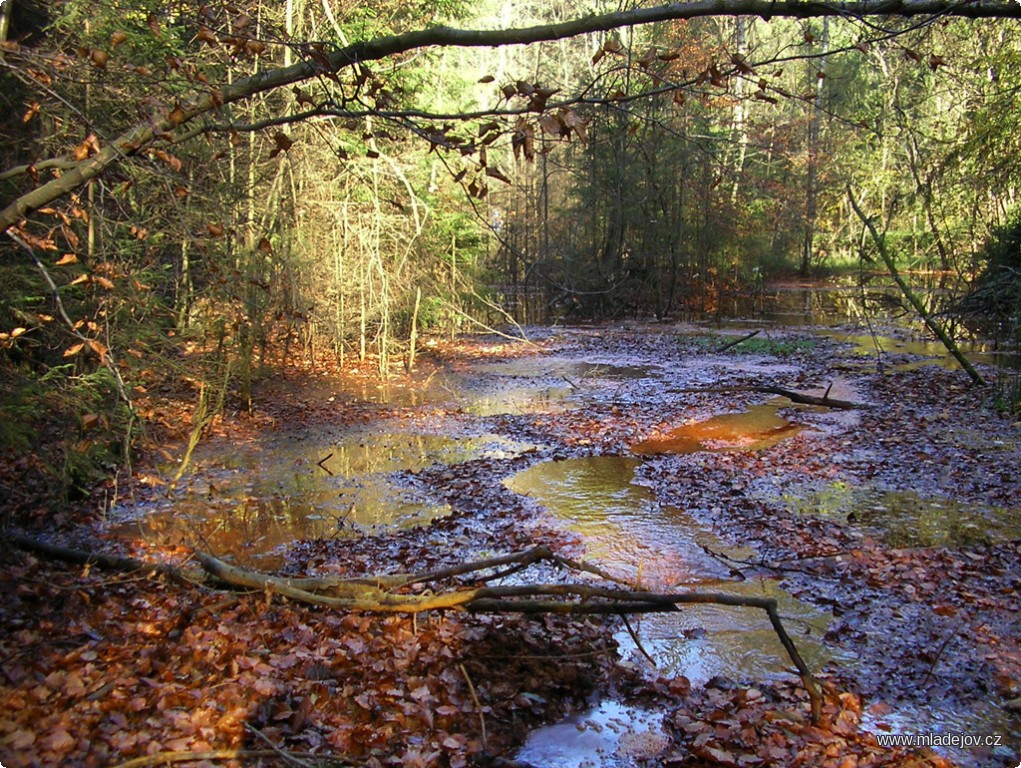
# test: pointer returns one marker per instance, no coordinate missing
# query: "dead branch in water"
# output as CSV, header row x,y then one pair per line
x,y
735,342
378,594
795,397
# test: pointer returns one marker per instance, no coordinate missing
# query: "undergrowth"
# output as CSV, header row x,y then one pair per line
x,y
758,345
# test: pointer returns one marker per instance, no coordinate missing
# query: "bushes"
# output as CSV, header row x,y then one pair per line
x,y
993,305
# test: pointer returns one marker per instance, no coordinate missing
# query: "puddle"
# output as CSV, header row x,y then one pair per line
x,y
516,401
706,641
920,352
610,736
906,519
570,371
248,502
624,529
542,385
755,429
628,534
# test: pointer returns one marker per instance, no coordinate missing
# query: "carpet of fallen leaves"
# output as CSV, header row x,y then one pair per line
x,y
98,669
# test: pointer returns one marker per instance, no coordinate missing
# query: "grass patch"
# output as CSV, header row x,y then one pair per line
x,y
757,345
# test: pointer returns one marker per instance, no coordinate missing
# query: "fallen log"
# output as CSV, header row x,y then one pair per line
x,y
378,594
795,397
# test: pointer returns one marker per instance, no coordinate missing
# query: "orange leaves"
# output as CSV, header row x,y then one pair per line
x,y
171,161
31,112
87,148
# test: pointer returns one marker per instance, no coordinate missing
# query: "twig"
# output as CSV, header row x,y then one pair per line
x,y
940,332
287,757
637,641
795,397
166,758
323,461
939,652
530,599
478,705
734,343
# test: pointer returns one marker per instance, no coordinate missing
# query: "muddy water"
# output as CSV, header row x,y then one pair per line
x,y
259,497
627,533
760,426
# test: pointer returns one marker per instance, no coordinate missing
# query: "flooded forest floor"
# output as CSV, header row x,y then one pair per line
x,y
890,534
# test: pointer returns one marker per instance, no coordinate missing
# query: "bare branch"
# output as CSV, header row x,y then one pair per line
x,y
207,101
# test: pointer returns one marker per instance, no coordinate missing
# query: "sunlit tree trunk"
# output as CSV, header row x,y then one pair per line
x,y
811,178
741,24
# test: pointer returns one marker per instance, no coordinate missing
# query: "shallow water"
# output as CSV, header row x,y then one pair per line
x,y
627,533
907,519
257,497
758,427
609,735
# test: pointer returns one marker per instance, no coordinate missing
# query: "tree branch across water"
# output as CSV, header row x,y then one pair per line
x,y
211,100
378,594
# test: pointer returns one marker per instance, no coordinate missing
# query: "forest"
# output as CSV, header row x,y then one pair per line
x,y
381,381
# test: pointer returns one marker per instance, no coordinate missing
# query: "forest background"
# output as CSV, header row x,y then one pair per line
x,y
641,170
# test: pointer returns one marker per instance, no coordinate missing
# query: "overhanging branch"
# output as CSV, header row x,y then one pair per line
x,y
211,100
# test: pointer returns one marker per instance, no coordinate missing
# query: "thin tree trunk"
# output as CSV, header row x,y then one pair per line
x,y
910,295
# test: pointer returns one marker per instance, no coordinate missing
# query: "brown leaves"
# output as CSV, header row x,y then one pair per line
x,y
611,45
177,115
563,123
282,142
523,140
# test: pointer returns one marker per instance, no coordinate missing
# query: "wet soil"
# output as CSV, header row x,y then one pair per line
x,y
99,668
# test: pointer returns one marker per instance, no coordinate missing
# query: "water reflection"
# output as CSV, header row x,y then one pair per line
x,y
623,527
610,735
754,429
705,641
248,501
907,519
628,534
